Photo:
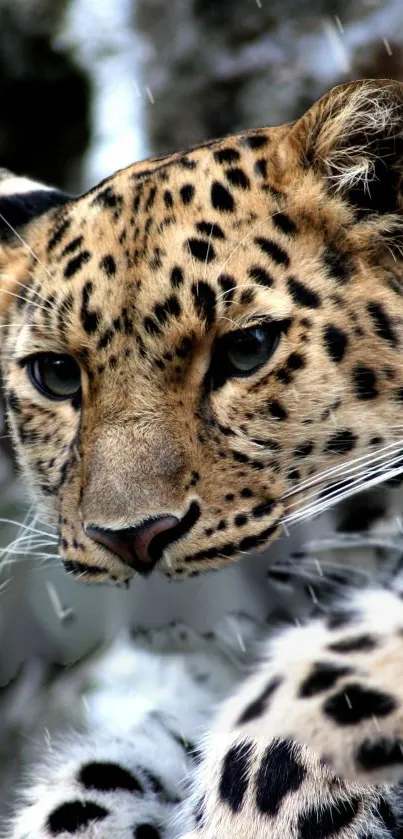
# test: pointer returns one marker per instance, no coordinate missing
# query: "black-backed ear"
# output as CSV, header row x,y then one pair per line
x,y
354,136
22,200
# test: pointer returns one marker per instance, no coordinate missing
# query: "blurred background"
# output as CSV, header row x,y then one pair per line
x,y
89,86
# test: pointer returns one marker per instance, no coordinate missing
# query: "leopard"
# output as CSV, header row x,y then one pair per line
x,y
197,353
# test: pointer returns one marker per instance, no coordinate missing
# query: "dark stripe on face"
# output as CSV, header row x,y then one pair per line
x,y
274,251
302,295
76,263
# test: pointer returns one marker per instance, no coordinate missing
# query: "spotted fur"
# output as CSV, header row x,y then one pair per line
x,y
144,281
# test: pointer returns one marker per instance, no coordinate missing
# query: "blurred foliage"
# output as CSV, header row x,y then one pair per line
x,y
44,96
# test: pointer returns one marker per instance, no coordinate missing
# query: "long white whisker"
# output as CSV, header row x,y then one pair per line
x,y
29,540
24,526
27,287
24,299
314,509
40,555
345,468
356,477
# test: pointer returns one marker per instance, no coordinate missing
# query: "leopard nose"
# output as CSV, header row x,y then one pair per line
x,y
140,547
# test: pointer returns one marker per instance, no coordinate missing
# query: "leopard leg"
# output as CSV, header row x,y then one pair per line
x,y
253,788
302,747
335,685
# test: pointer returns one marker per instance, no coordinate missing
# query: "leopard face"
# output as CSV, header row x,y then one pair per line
x,y
199,344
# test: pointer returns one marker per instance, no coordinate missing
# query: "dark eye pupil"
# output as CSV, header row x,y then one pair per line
x,y
56,376
249,349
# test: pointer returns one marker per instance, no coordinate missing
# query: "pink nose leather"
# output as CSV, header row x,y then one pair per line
x,y
140,547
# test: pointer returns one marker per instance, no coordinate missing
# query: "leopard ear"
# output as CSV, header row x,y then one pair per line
x,y
354,135
22,201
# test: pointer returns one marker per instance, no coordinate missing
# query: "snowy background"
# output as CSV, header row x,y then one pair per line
x,y
89,86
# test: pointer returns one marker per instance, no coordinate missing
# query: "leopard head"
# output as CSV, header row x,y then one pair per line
x,y
199,346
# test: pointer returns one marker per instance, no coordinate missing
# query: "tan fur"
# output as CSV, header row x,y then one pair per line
x,y
150,440
139,281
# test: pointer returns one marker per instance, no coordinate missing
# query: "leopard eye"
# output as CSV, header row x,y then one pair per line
x,y
56,376
244,351
248,349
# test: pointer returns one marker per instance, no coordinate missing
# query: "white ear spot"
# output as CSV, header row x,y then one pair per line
x,y
13,185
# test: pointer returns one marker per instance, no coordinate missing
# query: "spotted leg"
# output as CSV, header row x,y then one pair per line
x,y
300,749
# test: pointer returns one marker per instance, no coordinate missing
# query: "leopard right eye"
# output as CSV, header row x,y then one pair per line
x,y
57,377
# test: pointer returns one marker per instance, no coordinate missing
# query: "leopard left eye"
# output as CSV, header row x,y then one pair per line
x,y
242,352
249,349
57,377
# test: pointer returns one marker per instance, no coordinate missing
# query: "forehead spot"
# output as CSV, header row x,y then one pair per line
x,y
187,193
210,229
176,277
237,178
226,155
58,234
255,141
335,342
274,251
76,263
205,301
259,275
228,285
168,200
108,264
283,222
221,198
302,295
108,198
200,249
89,318
364,380
72,246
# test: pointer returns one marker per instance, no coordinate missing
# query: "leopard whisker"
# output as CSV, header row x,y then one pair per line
x,y
312,510
27,287
24,526
343,469
295,569
360,475
24,299
29,540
